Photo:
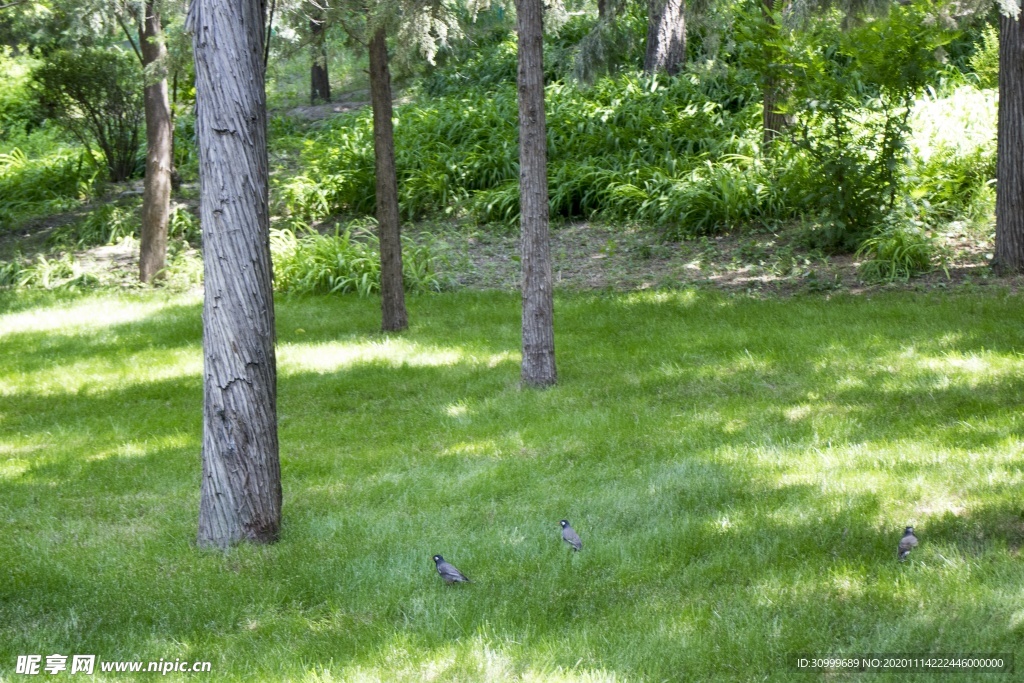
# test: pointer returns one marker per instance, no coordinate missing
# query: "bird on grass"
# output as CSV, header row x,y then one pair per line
x,y
907,543
448,572
570,536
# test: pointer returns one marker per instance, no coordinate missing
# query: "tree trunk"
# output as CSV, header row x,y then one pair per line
x,y
773,92
538,305
319,84
156,194
240,498
392,292
1009,251
603,13
666,37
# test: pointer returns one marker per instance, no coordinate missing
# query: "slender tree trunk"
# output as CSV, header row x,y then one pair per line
x,y
240,498
156,194
538,304
773,93
1009,252
666,37
319,84
603,13
392,292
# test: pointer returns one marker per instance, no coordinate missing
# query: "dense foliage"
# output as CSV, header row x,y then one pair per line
x,y
868,165
96,95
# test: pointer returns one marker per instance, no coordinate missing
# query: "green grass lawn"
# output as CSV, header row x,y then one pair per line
x,y
739,470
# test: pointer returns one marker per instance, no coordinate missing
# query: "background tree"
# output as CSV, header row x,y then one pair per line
x,y
156,195
773,89
368,27
1009,247
422,24
392,289
666,37
319,82
538,367
241,485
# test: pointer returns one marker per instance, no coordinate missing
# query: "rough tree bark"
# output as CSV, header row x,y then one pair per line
x,y
156,194
392,292
319,84
666,37
773,92
1009,251
538,368
240,498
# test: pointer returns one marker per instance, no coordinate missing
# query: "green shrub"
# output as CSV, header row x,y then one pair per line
x,y
853,92
106,224
62,272
184,226
17,113
97,96
899,250
985,60
306,261
611,147
10,272
48,184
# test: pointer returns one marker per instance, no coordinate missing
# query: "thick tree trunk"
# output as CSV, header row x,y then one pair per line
x,y
392,292
319,84
666,37
1009,252
773,92
538,304
240,497
156,194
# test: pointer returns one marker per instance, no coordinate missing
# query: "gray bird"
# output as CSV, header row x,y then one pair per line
x,y
448,572
570,536
907,543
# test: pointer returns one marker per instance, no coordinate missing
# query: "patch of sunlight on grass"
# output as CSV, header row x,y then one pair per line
x,y
798,412
457,410
13,468
140,449
845,584
87,314
910,367
475,448
687,297
477,660
324,358
98,375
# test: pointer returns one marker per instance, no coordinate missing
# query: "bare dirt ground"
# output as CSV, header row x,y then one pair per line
x,y
595,256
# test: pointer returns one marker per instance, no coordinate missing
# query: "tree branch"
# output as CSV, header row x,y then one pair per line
x,y
270,27
13,4
128,35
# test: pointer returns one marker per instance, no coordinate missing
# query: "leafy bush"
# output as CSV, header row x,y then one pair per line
x,y
343,262
17,114
184,226
47,184
62,272
854,92
899,250
985,60
611,148
186,157
96,95
106,224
